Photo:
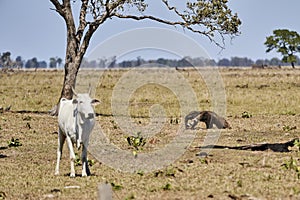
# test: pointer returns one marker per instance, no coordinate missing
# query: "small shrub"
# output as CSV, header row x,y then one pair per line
x,y
141,173
288,128
170,172
239,183
14,142
246,114
2,195
167,186
203,161
136,141
292,165
116,186
297,144
91,162
77,160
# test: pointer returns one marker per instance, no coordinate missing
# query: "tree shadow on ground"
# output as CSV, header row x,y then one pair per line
x,y
276,147
2,155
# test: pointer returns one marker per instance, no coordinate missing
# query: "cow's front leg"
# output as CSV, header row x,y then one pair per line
x,y
85,165
61,140
72,156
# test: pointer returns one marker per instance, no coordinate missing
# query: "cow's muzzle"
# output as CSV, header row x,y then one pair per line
x,y
90,116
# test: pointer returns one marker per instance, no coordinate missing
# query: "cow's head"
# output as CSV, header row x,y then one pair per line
x,y
84,104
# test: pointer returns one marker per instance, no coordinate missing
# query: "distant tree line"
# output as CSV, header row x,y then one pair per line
x,y
54,62
7,62
185,62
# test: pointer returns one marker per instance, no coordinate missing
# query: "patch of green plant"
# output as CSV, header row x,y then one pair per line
x,y
91,162
141,173
136,141
246,114
297,144
14,142
296,190
292,165
2,195
77,161
116,186
27,118
292,113
167,186
288,128
170,172
203,161
239,183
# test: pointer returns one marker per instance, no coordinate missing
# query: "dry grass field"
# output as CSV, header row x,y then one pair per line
x,y
262,106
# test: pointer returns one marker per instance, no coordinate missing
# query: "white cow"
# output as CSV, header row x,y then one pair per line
x,y
76,119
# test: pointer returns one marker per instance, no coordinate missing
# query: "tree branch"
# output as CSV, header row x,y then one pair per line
x,y
184,25
82,19
58,7
172,8
93,26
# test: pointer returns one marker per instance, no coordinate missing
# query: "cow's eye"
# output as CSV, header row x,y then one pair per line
x,y
80,102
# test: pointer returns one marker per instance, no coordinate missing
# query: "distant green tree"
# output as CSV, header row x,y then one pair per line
x,y
32,63
19,62
224,62
53,62
241,61
260,62
275,62
59,61
285,42
42,64
5,60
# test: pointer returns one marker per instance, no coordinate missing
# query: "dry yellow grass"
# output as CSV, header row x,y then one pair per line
x,y
271,96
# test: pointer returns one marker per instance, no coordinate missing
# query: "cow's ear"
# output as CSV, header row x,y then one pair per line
x,y
95,102
74,101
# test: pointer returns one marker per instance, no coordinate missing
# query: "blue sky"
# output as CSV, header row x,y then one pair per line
x,y
31,29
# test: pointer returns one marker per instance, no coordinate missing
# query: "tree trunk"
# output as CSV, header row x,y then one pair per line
x,y
71,70
72,65
293,65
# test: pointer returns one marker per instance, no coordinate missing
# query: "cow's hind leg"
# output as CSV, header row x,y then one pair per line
x,y
61,140
85,165
72,156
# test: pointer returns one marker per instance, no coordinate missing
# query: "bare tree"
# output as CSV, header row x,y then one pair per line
x,y
205,17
